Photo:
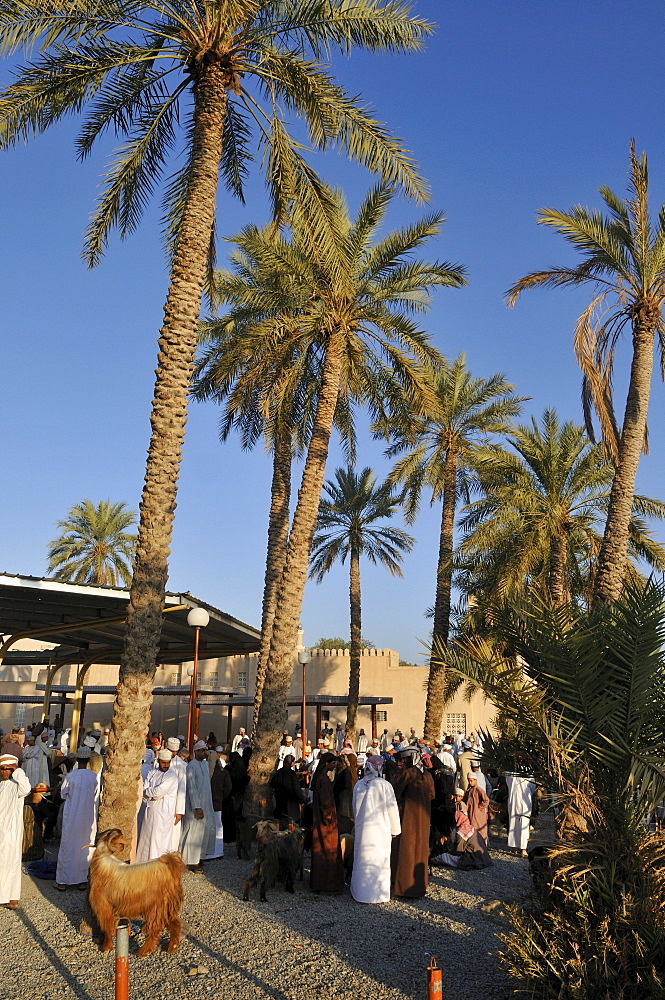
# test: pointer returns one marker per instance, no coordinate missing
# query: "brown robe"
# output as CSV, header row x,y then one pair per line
x,y
477,803
327,869
410,855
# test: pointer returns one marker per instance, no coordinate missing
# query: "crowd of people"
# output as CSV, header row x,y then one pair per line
x,y
380,811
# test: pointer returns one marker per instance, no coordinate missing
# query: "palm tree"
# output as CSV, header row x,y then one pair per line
x,y
582,695
536,527
94,546
201,78
624,261
441,447
346,526
266,392
360,294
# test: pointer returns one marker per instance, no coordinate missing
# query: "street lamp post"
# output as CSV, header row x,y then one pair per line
x,y
198,618
303,658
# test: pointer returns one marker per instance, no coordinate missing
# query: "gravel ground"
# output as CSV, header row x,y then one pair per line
x,y
302,946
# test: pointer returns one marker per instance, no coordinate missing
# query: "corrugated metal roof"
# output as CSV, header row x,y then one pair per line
x,y
91,619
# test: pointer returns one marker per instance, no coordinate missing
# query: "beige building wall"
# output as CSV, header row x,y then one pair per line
x,y
327,674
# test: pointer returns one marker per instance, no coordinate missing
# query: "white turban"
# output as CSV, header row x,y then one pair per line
x,y
173,744
201,745
164,755
83,752
90,741
8,758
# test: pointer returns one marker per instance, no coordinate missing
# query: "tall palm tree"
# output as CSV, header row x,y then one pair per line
x,y
624,262
95,546
441,447
536,527
361,294
346,526
266,392
203,78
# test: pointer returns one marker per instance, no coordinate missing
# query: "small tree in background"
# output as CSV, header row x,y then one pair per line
x,y
95,546
347,525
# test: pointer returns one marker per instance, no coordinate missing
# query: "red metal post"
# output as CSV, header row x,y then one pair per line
x,y
434,980
303,716
191,722
122,961
229,718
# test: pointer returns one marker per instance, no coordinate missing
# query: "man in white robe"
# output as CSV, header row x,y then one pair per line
x,y
376,823
35,760
179,767
80,794
286,749
198,826
237,739
520,803
14,786
160,795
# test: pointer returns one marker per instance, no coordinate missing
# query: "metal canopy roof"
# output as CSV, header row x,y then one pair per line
x,y
312,700
90,621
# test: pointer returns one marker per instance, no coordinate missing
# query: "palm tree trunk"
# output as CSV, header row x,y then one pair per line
x,y
356,631
614,548
444,574
177,344
272,713
559,590
278,536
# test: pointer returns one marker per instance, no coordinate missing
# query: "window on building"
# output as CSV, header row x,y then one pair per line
x,y
20,715
242,680
175,679
325,715
381,716
213,680
456,723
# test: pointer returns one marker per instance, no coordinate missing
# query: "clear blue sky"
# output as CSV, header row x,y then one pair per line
x,y
514,106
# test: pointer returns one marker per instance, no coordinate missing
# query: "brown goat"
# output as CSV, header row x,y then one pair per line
x,y
278,858
149,891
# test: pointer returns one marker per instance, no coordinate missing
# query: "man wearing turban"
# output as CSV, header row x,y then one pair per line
x,y
80,794
14,786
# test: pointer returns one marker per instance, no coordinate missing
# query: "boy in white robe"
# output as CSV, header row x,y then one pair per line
x,y
179,767
80,794
160,794
30,762
14,786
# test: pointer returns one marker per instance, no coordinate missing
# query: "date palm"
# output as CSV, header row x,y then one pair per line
x,y
267,391
206,81
538,525
582,696
623,260
346,526
362,296
439,449
95,546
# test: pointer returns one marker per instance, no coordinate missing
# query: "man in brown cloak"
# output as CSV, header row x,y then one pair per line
x,y
414,791
327,869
